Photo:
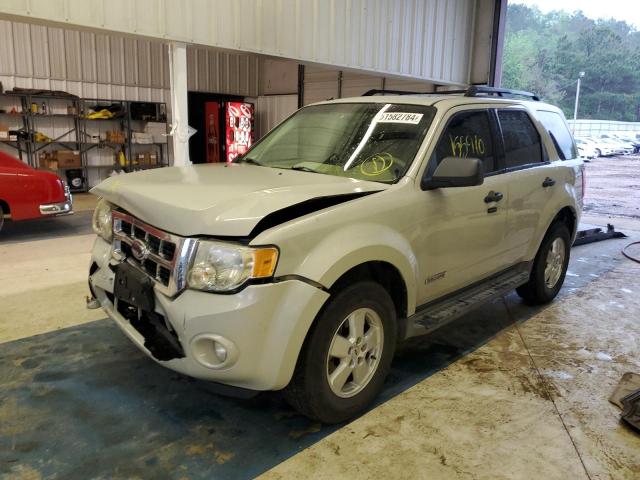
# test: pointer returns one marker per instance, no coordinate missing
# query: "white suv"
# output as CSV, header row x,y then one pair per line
x,y
352,226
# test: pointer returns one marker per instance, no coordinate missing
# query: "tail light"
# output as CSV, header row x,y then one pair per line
x,y
581,183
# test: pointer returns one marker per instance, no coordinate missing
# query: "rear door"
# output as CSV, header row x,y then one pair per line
x,y
530,179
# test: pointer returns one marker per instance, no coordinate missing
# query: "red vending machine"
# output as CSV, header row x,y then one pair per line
x,y
212,131
239,129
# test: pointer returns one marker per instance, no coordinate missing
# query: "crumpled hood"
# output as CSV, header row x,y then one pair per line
x,y
217,199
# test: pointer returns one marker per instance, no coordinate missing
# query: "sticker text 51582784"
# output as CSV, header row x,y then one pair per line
x,y
400,117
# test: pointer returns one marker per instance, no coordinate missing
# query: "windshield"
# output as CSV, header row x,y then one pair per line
x,y
366,141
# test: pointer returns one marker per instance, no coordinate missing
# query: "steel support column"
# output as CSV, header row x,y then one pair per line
x,y
179,103
497,42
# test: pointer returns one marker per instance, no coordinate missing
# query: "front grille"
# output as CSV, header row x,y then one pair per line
x,y
161,255
164,275
167,250
154,244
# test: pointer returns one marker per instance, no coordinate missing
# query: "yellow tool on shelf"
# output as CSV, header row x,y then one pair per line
x,y
122,160
41,137
100,114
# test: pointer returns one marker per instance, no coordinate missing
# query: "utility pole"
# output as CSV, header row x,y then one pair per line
x,y
575,108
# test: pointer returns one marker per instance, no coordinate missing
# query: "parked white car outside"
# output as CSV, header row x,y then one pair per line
x,y
602,149
620,147
586,149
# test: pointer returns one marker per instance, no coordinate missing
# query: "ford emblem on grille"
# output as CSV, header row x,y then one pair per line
x,y
139,250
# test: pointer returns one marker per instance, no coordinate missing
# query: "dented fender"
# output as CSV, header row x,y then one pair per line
x,y
325,258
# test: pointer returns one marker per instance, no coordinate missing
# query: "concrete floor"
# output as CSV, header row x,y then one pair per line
x,y
508,391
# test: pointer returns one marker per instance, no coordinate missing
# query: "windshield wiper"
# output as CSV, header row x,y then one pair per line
x,y
332,159
302,168
251,161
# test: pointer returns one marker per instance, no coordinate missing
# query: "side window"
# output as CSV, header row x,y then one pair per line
x,y
559,133
468,134
522,145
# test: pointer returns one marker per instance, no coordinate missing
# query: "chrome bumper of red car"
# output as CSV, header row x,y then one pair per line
x,y
57,209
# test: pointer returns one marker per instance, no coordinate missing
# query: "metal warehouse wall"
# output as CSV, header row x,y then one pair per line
x,y
422,39
323,84
112,66
271,110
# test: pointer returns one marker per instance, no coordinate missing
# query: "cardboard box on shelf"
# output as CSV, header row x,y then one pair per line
x,y
140,160
4,132
142,138
151,159
68,158
46,161
115,136
157,131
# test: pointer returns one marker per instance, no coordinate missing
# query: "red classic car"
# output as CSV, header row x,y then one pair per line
x,y
28,193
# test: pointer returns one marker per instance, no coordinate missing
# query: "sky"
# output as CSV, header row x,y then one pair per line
x,y
627,10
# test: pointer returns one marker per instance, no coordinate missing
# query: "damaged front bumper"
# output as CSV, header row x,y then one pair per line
x,y
250,339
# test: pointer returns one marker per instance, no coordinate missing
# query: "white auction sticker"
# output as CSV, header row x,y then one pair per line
x,y
400,117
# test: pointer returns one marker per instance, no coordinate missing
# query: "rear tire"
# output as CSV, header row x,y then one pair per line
x,y
549,267
346,355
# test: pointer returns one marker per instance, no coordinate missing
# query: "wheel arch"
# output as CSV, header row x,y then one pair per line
x,y
567,215
5,207
387,276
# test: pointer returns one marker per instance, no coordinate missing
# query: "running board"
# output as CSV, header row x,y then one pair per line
x,y
440,312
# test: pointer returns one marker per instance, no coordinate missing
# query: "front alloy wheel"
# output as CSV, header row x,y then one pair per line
x,y
346,355
355,352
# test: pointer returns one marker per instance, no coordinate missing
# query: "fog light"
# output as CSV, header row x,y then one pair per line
x,y
214,351
221,351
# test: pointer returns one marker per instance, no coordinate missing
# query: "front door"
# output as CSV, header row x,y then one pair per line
x,y
461,238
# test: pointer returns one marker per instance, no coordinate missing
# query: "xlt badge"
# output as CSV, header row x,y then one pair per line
x,y
437,276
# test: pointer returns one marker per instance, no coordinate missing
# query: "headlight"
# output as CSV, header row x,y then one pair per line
x,y
102,220
220,267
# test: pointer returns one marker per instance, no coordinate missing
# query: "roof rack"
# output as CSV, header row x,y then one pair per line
x,y
472,91
375,91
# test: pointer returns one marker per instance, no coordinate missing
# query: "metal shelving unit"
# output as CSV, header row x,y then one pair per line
x,y
77,136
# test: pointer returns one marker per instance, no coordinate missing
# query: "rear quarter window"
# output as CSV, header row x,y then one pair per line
x,y
560,135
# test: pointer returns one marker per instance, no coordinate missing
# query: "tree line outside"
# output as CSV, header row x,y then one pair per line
x,y
544,53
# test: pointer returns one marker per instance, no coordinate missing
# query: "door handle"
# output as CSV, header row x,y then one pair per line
x,y
548,182
493,197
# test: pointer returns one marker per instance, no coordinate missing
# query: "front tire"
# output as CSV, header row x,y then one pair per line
x,y
346,355
549,267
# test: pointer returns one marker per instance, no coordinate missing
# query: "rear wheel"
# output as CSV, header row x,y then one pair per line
x,y
549,266
346,356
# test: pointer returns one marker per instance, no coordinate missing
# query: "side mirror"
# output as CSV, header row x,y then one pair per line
x,y
456,172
